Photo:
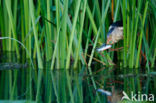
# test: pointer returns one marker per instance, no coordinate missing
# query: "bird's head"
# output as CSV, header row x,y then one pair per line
x,y
109,40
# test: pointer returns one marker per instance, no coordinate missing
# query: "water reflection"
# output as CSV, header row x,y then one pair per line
x,y
76,86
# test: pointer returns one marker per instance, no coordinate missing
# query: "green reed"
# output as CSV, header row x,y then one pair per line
x,y
66,33
63,31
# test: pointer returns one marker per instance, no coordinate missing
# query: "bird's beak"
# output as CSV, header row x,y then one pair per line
x,y
103,47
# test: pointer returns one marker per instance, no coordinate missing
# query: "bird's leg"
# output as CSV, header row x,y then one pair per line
x,y
116,49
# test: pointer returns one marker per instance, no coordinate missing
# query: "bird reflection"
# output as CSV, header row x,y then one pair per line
x,y
113,97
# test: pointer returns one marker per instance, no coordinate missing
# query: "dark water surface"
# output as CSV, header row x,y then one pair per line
x,y
66,86
20,83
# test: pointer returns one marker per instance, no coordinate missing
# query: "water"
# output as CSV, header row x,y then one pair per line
x,y
73,86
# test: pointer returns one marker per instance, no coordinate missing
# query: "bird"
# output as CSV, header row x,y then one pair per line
x,y
114,35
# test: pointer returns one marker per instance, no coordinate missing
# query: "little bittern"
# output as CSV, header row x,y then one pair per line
x,y
114,34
